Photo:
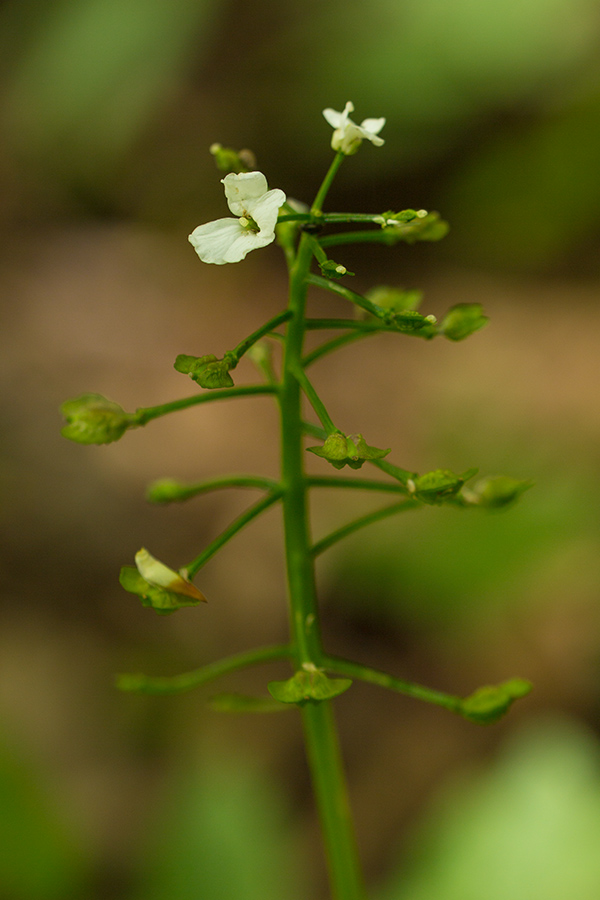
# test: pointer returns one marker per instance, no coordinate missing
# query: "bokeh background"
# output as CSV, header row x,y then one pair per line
x,y
107,110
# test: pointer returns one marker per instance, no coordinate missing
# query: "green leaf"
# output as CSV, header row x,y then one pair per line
x,y
207,371
159,599
92,419
309,683
463,320
240,703
488,704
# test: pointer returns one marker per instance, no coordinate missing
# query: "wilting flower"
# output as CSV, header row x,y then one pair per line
x,y
256,207
348,136
158,586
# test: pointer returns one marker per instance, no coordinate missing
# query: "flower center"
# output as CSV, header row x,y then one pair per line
x,y
247,222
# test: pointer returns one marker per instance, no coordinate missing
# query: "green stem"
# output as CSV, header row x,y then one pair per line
x,y
175,684
361,522
335,288
373,676
329,785
230,531
315,401
178,492
357,324
335,344
319,728
317,206
338,481
245,345
146,413
382,236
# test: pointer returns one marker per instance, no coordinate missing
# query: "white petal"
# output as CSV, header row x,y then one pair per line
x,y
333,117
264,210
373,126
239,189
213,241
246,242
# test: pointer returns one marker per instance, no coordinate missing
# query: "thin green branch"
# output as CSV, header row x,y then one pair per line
x,y
169,491
363,484
356,324
175,684
399,685
273,323
339,289
146,413
315,401
362,522
335,344
338,159
232,530
382,236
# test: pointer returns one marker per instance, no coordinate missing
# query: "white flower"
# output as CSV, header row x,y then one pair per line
x,y
348,136
229,240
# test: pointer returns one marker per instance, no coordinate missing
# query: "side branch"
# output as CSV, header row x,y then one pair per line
x,y
230,531
146,414
148,684
362,522
399,685
167,490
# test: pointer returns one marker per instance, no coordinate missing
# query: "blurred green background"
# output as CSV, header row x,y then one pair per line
x,y
493,117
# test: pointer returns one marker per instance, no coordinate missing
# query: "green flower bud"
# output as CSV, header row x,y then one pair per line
x,y
352,450
488,704
496,492
435,487
165,490
331,269
228,160
92,419
414,225
158,586
309,683
462,320
207,371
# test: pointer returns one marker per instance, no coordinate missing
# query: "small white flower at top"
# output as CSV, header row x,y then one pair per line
x,y
256,207
348,136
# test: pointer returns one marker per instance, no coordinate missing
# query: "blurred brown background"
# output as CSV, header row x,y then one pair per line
x,y
493,117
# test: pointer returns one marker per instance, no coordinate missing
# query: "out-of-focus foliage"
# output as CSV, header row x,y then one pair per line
x,y
528,828
223,834
40,857
495,106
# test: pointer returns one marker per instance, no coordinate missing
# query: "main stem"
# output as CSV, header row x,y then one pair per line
x,y
319,727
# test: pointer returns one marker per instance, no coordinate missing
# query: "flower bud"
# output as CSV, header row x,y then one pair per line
x,y
309,683
496,492
463,320
207,371
92,419
347,450
488,704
